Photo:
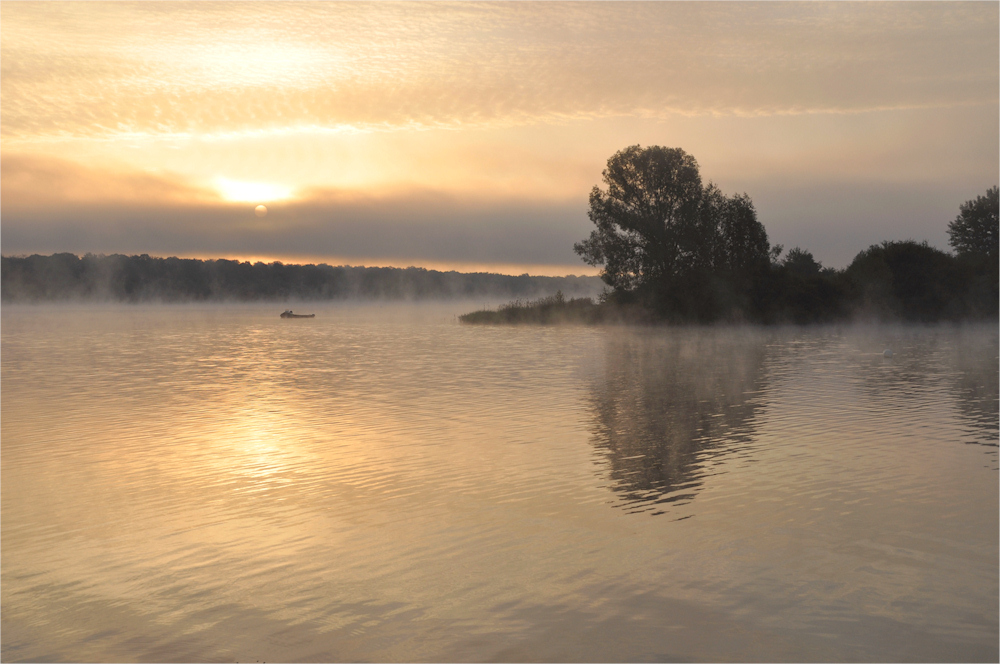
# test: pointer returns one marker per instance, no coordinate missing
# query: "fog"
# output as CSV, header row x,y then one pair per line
x,y
63,277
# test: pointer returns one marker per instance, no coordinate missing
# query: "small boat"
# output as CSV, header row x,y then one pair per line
x,y
287,313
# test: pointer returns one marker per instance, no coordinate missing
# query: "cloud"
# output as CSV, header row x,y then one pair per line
x,y
32,182
53,205
201,68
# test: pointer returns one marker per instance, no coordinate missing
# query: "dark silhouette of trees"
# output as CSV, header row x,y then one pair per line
x,y
798,289
662,239
144,278
745,249
909,281
801,263
974,236
687,252
647,220
974,232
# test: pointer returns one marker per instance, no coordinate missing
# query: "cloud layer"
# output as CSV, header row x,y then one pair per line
x,y
52,204
195,68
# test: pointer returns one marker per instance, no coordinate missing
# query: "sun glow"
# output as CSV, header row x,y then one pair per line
x,y
251,192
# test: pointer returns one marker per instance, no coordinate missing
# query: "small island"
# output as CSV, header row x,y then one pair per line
x,y
672,250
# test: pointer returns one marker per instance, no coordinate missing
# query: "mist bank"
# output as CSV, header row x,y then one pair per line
x,y
120,278
889,282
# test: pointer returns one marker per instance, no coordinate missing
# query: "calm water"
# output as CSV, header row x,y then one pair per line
x,y
383,483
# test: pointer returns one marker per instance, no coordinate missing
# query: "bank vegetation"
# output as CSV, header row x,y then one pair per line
x,y
672,249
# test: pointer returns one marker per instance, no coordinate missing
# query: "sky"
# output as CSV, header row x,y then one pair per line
x,y
468,136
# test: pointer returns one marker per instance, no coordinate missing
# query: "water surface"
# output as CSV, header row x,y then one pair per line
x,y
383,483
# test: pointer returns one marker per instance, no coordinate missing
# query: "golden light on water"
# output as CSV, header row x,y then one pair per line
x,y
195,466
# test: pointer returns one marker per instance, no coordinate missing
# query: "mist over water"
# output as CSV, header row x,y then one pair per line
x,y
383,483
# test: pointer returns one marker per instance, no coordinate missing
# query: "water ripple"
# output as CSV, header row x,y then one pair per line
x,y
185,483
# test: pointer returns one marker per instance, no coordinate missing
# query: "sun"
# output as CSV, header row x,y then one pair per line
x,y
251,192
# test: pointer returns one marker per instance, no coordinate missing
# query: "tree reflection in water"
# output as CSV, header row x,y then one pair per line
x,y
670,404
977,385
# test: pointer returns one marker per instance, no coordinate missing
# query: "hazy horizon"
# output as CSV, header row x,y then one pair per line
x,y
468,136
358,262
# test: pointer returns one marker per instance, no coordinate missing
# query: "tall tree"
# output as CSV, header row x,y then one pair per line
x,y
643,219
659,233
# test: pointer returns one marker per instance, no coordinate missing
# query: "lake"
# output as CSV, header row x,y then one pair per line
x,y
214,483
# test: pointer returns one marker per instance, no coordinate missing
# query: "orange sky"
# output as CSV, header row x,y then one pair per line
x,y
469,135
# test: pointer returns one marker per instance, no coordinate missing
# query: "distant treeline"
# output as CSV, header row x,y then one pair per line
x,y
146,279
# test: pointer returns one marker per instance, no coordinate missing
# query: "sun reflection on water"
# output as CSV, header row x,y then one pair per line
x,y
195,483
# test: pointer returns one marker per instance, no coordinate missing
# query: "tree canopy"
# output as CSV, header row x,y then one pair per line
x,y
908,280
801,263
644,219
661,235
973,233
